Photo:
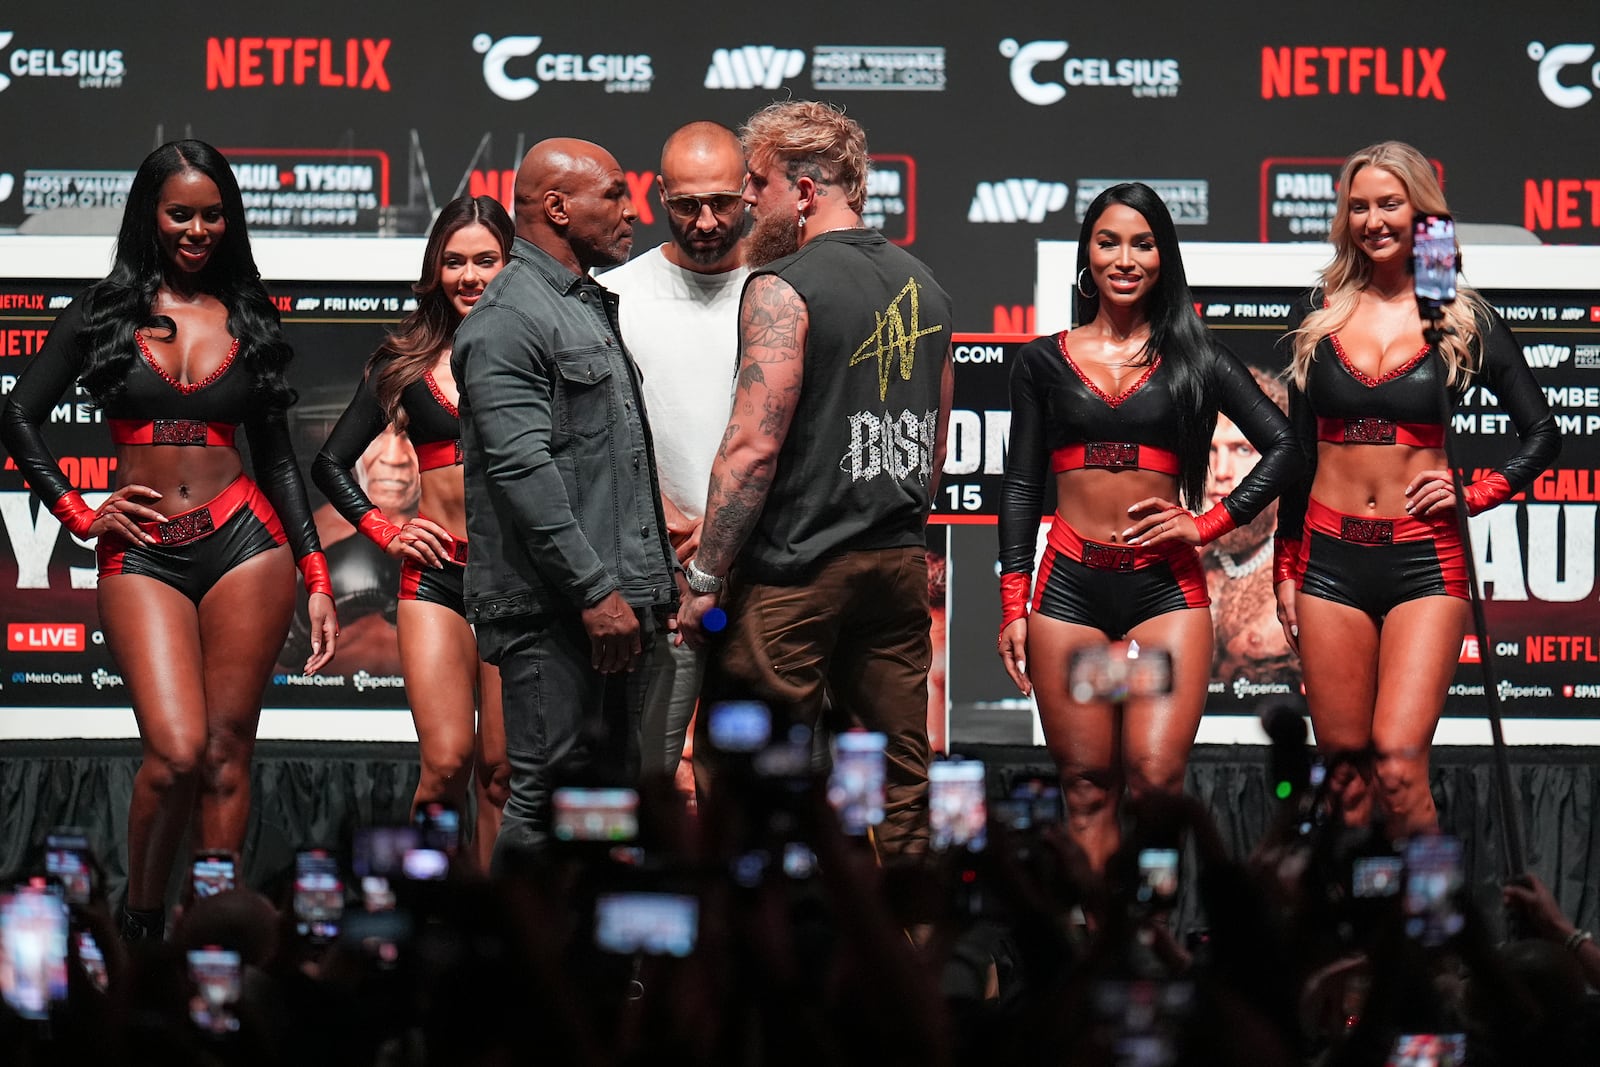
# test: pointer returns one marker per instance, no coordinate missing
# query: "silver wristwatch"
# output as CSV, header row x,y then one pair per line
x,y
700,581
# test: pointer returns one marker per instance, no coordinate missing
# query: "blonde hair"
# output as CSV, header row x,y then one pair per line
x,y
1348,274
802,135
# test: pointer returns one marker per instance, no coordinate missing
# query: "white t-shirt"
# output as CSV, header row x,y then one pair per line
x,y
683,330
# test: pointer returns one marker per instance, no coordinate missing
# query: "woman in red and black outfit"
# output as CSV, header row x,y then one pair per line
x,y
408,384
180,346
1370,576
1120,412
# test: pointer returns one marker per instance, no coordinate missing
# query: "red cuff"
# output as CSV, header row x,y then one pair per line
x,y
1486,492
377,529
74,514
1213,523
1285,560
1013,598
314,566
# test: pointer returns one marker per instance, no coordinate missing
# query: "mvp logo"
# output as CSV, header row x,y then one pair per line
x,y
754,66
1016,200
1546,355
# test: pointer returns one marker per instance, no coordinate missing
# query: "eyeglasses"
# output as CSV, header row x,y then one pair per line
x,y
689,205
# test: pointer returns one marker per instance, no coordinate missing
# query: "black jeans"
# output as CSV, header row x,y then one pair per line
x,y
566,724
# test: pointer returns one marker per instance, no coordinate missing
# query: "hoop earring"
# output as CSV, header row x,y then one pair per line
x,y
1093,291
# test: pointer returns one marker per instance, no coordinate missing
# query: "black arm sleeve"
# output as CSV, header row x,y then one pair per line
x,y
49,376
1303,429
1292,504
1263,425
1022,490
1505,372
357,428
278,474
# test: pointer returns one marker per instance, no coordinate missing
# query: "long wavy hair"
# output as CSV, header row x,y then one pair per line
x,y
414,344
1348,274
121,304
1177,336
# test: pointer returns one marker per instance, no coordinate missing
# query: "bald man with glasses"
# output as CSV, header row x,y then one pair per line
x,y
679,309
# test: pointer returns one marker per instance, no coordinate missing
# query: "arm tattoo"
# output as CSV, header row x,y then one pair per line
x,y
772,328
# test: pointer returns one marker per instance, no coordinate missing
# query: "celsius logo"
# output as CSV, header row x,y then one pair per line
x,y
1016,200
1552,60
1143,77
98,68
1546,355
620,74
755,66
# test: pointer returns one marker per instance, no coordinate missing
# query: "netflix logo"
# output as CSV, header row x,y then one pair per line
x,y
1331,70
254,62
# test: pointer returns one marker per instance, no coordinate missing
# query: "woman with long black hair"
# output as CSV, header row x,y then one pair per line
x,y
180,346
1121,411
454,696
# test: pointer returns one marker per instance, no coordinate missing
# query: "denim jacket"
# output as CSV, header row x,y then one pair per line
x,y
561,494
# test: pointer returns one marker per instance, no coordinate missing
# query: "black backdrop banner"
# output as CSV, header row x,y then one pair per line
x,y
990,129
992,126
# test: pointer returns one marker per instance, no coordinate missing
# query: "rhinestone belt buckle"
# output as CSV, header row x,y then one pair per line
x,y
458,553
1367,531
1369,431
1107,557
185,528
177,432
1113,454
461,453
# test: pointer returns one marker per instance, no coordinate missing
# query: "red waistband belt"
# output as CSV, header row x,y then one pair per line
x,y
1380,432
171,432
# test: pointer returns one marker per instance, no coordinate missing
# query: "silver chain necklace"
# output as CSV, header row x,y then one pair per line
x,y
1250,566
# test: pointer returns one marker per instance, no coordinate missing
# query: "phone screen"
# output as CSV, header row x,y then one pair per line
x,y
608,815
855,789
1433,258
439,826
33,949
1118,672
1376,876
67,858
1433,875
658,924
212,873
1158,878
957,812
318,895
92,960
214,973
381,850
1428,1050
740,726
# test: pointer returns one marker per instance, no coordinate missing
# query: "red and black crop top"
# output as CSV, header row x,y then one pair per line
x,y
432,424
154,408
1343,405
1061,421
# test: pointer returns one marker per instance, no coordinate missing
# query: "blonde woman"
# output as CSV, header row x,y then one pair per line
x,y
1370,573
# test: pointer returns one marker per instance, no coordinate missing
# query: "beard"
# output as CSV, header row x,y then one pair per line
x,y
772,237
1241,543
705,253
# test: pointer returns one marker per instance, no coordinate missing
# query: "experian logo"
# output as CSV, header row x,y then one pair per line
x,y
1546,355
1551,62
1016,200
619,73
1143,77
753,66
